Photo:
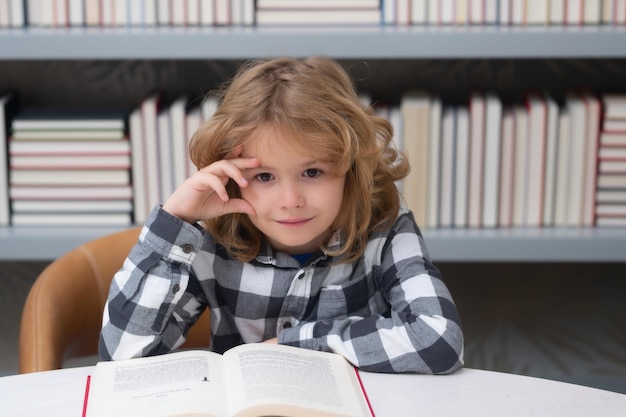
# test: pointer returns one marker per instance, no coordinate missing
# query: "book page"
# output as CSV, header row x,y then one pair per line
x,y
293,380
184,383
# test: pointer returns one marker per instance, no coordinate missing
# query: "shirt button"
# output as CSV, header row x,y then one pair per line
x,y
175,288
287,325
187,248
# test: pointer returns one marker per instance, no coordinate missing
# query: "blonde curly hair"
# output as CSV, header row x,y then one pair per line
x,y
316,102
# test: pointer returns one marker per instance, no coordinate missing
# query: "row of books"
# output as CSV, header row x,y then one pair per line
x,y
69,168
64,13
484,163
540,163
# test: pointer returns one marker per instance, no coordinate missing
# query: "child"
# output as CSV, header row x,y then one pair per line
x,y
303,241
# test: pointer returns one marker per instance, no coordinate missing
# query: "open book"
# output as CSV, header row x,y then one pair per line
x,y
249,380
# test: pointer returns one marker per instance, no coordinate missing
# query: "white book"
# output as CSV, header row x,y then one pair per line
x,y
607,12
71,162
432,12
7,102
108,12
178,16
403,12
236,11
593,111
17,14
447,170
462,165
504,18
592,12
207,12
178,111
491,170
536,12
490,13
71,206
208,107
136,12
193,121
447,12
193,12
520,175
166,173
477,153
557,12
388,12
92,13
149,13
46,13
614,105
612,167
415,110
325,4
434,163
578,132
507,169
150,107
552,133
69,177
476,12
619,15
562,186
61,13
139,179
50,192
518,12
395,118
33,12
314,16
68,147
121,13
163,12
223,10
536,159
574,12
72,219
462,12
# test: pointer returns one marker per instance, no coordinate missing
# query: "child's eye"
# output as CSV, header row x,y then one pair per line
x,y
312,173
264,177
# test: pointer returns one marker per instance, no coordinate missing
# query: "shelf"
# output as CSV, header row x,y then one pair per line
x,y
360,42
446,245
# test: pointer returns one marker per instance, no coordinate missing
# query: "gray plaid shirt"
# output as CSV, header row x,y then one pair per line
x,y
387,312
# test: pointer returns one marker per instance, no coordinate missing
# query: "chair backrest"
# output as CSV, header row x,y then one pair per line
x,y
62,315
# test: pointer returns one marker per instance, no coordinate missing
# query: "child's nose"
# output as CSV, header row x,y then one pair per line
x,y
291,196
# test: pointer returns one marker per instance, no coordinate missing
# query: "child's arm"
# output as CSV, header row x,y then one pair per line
x,y
421,333
153,299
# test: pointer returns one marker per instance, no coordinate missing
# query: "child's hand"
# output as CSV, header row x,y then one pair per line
x,y
203,196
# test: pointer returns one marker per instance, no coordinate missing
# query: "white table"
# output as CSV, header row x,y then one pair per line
x,y
468,392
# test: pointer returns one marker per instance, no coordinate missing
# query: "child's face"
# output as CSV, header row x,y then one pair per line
x,y
296,198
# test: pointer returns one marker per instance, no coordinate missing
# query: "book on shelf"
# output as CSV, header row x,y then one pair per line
x,y
590,163
477,159
415,111
562,186
520,174
70,161
492,157
535,158
71,219
461,167
69,147
612,138
69,119
83,192
507,168
550,171
249,380
8,107
612,167
290,16
71,206
433,163
447,166
578,128
69,177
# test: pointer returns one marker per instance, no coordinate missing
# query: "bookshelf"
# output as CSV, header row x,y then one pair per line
x,y
401,42
403,46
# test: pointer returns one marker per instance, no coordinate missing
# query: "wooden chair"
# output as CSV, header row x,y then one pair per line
x,y
62,315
